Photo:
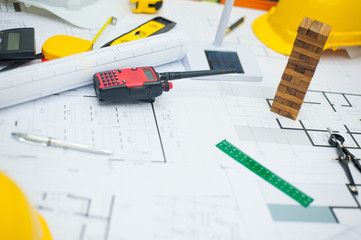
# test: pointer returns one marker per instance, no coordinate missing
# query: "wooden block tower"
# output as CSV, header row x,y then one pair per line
x,y
306,52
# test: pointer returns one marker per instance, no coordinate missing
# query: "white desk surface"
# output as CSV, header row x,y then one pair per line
x,y
166,179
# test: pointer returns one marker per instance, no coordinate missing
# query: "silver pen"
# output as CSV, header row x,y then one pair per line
x,y
47,141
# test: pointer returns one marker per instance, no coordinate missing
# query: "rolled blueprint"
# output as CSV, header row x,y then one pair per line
x,y
43,79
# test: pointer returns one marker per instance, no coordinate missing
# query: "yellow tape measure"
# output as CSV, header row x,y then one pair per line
x,y
59,46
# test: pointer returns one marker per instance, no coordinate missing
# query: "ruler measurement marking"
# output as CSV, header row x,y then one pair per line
x,y
264,173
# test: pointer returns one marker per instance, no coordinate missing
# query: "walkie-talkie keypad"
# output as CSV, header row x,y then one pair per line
x,y
110,78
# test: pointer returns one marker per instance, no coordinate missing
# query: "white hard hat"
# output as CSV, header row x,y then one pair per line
x,y
82,13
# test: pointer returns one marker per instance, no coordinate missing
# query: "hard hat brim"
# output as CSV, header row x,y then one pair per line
x,y
44,226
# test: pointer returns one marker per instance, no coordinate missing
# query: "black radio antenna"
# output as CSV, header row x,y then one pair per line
x,y
167,76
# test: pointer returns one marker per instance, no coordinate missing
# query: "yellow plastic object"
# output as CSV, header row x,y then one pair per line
x,y
18,220
278,27
144,30
146,6
62,45
59,46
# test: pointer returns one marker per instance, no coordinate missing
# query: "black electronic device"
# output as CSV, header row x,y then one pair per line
x,y
17,44
141,84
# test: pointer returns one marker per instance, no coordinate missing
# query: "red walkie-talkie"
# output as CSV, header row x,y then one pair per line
x,y
141,84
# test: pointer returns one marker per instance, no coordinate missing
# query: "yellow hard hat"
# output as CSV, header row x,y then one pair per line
x,y
278,27
18,220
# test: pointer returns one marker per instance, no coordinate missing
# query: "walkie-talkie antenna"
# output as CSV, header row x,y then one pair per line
x,y
167,76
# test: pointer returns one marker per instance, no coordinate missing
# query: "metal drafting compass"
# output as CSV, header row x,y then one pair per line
x,y
344,157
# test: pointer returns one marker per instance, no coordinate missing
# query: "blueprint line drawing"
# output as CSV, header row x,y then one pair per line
x,y
166,179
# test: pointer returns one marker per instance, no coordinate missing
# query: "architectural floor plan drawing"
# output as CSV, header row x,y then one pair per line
x,y
300,150
177,133
166,179
107,216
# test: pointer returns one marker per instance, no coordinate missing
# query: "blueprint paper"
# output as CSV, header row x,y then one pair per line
x,y
167,180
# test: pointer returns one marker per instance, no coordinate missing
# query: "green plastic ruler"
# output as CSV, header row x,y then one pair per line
x,y
264,173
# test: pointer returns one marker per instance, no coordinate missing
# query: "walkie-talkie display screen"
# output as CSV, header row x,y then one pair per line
x,y
148,74
14,41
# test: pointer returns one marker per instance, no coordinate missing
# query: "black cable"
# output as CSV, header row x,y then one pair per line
x,y
21,62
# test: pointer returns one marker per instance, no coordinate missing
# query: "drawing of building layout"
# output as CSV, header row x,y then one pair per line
x,y
166,180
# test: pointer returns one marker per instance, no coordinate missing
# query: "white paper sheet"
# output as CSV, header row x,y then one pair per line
x,y
167,180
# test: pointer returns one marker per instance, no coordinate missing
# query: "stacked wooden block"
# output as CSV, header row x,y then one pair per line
x,y
302,63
